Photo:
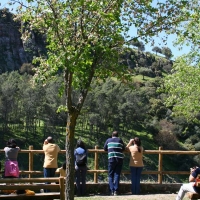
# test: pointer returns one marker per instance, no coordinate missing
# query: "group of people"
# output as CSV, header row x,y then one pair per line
x,y
50,166
115,148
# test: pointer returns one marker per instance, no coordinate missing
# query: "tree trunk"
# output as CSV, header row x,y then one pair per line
x,y
70,129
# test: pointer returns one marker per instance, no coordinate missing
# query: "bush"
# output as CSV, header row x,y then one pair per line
x,y
167,140
167,68
196,160
194,139
188,141
188,145
152,126
197,146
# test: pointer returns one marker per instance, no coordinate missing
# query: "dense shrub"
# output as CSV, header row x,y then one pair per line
x,y
165,136
197,146
152,126
167,140
194,139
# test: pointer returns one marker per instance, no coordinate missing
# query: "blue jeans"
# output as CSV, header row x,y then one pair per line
x,y
114,170
80,173
135,179
49,172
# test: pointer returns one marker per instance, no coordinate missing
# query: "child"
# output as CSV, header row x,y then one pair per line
x,y
62,170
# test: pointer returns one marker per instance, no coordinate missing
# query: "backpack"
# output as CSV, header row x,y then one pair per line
x,y
11,168
81,159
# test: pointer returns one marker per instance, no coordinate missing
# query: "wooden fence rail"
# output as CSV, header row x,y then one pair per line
x,y
97,151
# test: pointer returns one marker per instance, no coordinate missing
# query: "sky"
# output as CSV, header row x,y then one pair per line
x,y
158,42
176,50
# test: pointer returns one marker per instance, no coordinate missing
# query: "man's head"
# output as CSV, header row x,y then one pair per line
x,y
50,139
115,134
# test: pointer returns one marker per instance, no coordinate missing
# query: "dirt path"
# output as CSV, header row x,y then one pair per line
x,y
143,197
132,197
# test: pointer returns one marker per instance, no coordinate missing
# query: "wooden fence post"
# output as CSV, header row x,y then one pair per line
x,y
160,167
96,165
62,188
30,161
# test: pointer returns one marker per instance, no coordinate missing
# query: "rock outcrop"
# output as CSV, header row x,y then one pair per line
x,y
13,52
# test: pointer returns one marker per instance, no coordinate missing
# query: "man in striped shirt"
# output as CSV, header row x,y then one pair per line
x,y
115,147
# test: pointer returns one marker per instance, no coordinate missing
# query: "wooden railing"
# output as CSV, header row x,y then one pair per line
x,y
96,170
57,188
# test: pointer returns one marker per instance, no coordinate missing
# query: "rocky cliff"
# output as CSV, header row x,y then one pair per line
x,y
13,52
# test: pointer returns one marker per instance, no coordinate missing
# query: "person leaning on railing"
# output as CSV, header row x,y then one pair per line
x,y
115,147
11,163
136,163
50,160
80,154
191,186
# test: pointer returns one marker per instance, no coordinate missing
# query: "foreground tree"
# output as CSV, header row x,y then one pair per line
x,y
85,42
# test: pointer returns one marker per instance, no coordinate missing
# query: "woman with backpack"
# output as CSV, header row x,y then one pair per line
x,y
11,164
80,155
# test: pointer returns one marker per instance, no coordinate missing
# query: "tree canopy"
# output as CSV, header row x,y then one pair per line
x,y
157,49
167,52
183,84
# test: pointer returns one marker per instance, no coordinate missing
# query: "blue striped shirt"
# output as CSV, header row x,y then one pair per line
x,y
115,147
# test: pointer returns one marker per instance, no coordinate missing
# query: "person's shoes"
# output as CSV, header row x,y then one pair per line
x,y
111,193
41,190
115,193
29,192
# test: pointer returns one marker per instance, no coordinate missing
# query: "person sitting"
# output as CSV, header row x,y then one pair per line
x,y
191,186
